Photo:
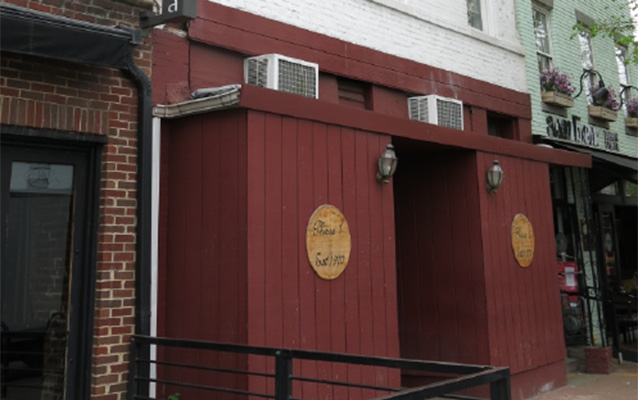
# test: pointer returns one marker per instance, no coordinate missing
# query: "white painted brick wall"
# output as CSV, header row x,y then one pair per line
x,y
431,32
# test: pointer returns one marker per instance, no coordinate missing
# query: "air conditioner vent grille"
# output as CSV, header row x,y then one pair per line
x,y
449,114
436,110
419,109
296,78
286,74
257,73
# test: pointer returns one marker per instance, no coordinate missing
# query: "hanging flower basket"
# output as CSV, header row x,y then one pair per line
x,y
603,107
557,99
601,112
556,88
631,121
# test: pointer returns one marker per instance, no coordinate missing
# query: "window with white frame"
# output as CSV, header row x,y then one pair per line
x,y
587,60
474,17
623,74
541,33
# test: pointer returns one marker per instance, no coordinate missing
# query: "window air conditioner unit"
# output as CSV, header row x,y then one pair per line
x,y
274,71
437,110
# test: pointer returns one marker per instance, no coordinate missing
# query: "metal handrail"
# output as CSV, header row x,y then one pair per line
x,y
462,376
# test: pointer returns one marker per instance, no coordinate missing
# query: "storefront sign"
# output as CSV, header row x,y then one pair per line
x,y
328,242
573,131
173,11
522,240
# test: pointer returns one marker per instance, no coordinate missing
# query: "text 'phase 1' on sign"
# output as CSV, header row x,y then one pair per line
x,y
522,240
328,242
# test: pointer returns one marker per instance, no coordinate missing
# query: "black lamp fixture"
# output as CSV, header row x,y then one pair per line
x,y
601,92
387,164
494,177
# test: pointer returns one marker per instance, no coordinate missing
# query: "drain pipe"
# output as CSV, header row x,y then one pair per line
x,y
144,242
144,195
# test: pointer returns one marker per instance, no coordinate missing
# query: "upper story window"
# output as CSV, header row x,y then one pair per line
x,y
587,60
541,32
623,74
474,18
501,126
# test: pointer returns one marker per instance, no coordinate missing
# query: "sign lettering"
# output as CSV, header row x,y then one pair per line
x,y
328,242
574,131
173,11
522,240
172,7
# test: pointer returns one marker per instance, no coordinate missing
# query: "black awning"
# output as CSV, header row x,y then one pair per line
x,y
626,163
609,158
39,34
606,166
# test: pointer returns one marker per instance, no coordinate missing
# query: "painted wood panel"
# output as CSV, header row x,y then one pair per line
x,y
462,295
203,223
353,313
277,102
523,303
442,305
248,198
242,186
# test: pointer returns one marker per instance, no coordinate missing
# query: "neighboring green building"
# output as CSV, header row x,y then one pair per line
x,y
549,39
594,209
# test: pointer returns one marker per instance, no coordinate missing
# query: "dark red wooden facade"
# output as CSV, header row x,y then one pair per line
x,y
240,188
431,274
203,292
462,295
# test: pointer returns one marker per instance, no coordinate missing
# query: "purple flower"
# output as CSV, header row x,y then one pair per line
x,y
611,101
632,107
553,80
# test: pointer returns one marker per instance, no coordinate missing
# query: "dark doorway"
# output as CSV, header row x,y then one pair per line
x,y
46,274
439,286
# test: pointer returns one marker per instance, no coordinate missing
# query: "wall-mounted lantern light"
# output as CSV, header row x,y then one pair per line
x,y
494,177
601,92
387,164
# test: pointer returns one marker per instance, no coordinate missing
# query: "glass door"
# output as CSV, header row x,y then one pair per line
x,y
43,235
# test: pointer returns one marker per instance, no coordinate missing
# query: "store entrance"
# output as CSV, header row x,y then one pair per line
x,y
618,234
44,305
577,280
439,257
595,230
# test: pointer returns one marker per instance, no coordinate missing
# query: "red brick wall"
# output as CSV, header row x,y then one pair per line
x,y
66,96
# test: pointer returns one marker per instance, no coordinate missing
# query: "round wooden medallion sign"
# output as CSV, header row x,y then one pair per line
x,y
328,242
522,240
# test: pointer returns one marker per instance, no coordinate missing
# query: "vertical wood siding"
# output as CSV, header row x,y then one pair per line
x,y
524,309
243,186
462,295
202,269
294,166
442,305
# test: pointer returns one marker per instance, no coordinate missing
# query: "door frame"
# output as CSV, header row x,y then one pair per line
x,y
609,211
89,146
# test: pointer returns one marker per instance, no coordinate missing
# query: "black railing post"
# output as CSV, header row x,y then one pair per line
x,y
500,389
133,370
283,371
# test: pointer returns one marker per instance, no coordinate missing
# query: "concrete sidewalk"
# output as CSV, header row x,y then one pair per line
x,y
621,384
